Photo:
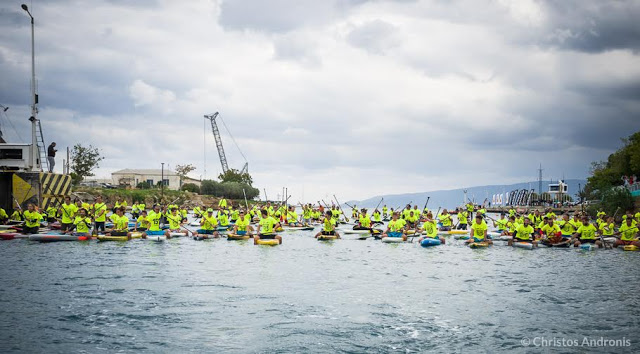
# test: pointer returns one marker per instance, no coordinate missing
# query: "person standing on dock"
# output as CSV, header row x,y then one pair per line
x,y
51,156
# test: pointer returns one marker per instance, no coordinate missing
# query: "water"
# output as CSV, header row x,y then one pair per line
x,y
310,296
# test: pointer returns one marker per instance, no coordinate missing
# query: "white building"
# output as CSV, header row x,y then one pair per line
x,y
188,179
557,190
132,177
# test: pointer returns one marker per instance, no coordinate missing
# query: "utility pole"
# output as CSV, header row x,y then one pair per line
x,y
162,184
33,164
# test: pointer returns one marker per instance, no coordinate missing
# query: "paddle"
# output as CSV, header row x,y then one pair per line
x,y
245,199
20,211
436,216
425,204
380,202
339,207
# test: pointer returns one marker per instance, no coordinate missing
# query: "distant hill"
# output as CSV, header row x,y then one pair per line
x,y
452,198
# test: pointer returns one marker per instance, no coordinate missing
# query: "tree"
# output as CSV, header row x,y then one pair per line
x,y
232,190
233,175
190,187
624,162
83,161
209,187
183,171
614,199
144,185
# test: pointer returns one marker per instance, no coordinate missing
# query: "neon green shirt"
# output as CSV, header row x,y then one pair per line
x,y
445,219
462,217
120,223
550,230
82,224
100,210
209,222
68,213
267,224
431,228
524,232
607,229
329,224
242,224
32,218
154,220
587,232
628,233
479,229
174,220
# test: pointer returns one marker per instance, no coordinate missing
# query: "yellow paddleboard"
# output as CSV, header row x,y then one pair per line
x,y
479,245
238,237
631,248
271,242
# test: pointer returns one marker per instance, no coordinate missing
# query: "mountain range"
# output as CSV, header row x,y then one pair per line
x,y
450,199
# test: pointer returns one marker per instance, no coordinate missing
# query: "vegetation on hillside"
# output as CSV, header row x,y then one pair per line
x,y
606,181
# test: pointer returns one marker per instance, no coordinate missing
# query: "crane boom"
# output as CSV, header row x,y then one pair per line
x,y
216,135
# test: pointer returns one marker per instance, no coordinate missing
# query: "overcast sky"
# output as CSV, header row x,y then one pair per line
x,y
351,97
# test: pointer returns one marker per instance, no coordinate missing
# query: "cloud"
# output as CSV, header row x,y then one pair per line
x,y
144,94
354,98
377,37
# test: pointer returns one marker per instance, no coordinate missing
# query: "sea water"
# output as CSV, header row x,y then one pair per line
x,y
306,295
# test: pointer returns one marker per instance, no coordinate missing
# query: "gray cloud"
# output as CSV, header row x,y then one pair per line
x,y
455,93
377,37
594,26
281,15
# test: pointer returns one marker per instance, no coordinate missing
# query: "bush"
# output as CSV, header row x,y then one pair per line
x,y
190,187
614,199
231,190
143,185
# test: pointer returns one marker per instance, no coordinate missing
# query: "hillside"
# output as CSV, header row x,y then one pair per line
x,y
451,198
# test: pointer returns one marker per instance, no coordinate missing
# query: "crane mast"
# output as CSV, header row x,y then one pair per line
x,y
216,135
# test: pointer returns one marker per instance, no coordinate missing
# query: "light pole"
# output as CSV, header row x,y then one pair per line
x,y
162,184
34,110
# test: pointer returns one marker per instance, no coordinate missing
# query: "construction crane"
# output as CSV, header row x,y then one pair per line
x,y
216,135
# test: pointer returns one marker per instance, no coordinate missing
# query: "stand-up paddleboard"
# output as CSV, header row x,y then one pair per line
x,y
356,232
202,237
134,235
176,234
479,245
9,236
588,247
429,242
57,238
327,237
392,239
297,228
525,245
103,238
460,237
234,237
631,248
457,232
268,242
157,238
